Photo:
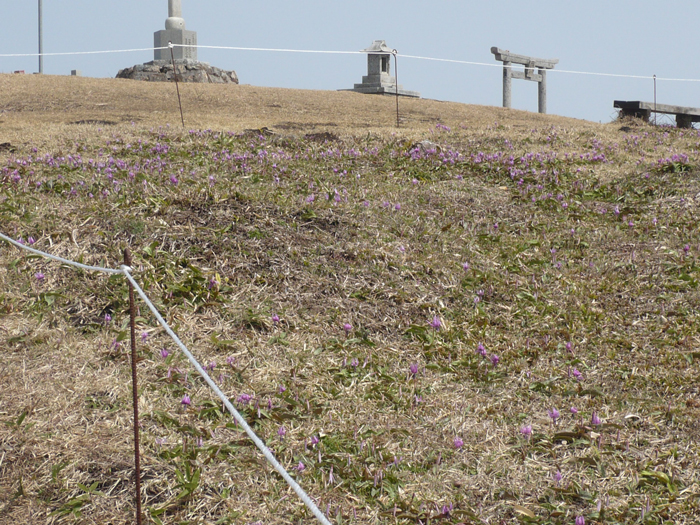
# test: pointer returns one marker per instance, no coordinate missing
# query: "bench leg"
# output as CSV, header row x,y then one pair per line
x,y
643,114
684,121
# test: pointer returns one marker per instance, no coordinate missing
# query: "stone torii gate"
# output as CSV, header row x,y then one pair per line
x,y
530,63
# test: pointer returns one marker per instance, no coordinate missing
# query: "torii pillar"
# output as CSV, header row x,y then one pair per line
x,y
176,33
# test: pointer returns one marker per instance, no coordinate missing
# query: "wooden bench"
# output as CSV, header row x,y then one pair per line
x,y
684,116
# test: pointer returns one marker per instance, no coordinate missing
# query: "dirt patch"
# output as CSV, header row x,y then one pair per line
x,y
322,137
96,122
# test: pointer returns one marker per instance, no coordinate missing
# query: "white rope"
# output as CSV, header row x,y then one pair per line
x,y
59,259
319,51
80,52
275,50
237,416
645,77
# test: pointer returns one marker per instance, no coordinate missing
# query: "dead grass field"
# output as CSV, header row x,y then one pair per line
x,y
34,105
559,256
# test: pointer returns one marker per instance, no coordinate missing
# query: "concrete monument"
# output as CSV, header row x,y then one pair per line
x,y
530,63
378,80
185,68
176,33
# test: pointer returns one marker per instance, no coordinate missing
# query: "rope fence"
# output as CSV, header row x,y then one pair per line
x,y
331,52
126,271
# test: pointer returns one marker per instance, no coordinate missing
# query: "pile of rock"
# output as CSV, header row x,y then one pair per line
x,y
186,70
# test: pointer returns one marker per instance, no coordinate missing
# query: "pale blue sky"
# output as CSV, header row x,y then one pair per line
x,y
641,37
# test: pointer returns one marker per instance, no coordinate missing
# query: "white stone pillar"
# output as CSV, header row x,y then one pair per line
x,y
542,92
175,33
175,20
175,8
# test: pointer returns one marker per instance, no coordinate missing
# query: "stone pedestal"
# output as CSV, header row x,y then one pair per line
x,y
186,70
176,36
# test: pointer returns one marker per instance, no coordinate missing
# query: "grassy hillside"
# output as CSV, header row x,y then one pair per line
x,y
485,316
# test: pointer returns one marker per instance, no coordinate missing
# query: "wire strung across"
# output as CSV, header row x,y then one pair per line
x,y
319,51
126,271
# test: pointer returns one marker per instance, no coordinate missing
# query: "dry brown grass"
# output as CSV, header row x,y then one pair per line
x,y
37,106
632,317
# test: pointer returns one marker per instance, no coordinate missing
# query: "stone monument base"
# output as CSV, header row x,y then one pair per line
x,y
187,71
383,90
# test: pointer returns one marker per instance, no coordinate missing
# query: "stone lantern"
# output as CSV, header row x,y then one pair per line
x,y
378,80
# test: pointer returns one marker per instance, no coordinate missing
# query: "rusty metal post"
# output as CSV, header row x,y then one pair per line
x,y
655,102
177,85
396,73
135,393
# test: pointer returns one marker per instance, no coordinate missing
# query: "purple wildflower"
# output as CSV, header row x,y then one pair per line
x,y
39,276
282,432
244,399
458,443
481,350
347,327
526,431
436,323
580,520
275,318
495,359
164,353
554,414
557,477
413,369
595,420
186,401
